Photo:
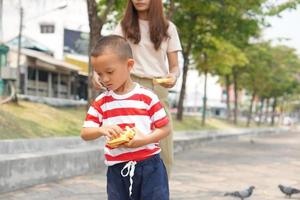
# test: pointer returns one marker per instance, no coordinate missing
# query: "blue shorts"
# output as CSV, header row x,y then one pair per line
x,y
150,181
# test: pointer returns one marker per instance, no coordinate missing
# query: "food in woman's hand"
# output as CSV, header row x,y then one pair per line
x,y
162,80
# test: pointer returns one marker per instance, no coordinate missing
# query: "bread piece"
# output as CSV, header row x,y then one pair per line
x,y
162,80
125,137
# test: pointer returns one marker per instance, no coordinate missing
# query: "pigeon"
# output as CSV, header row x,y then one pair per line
x,y
288,191
241,194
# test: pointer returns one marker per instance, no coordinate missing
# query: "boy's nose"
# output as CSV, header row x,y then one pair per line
x,y
105,79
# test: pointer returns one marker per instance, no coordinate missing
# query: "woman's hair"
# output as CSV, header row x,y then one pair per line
x,y
158,24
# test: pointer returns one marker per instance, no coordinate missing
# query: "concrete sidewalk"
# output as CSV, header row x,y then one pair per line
x,y
25,163
206,172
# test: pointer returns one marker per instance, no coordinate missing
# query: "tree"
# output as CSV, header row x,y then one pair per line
x,y
208,20
98,14
218,59
255,73
285,71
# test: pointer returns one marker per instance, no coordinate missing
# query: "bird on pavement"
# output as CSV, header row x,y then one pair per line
x,y
241,194
288,191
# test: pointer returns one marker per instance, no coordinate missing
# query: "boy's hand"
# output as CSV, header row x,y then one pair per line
x,y
96,82
139,140
111,131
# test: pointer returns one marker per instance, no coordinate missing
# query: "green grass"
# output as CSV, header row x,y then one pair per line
x,y
33,120
195,123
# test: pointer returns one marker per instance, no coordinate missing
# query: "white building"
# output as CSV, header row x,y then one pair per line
x,y
44,21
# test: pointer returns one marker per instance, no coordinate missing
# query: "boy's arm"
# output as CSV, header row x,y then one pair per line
x,y
141,139
91,133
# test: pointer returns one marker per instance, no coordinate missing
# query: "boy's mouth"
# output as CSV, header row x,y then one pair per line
x,y
108,86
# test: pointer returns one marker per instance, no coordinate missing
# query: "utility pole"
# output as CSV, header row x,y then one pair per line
x,y
1,26
19,50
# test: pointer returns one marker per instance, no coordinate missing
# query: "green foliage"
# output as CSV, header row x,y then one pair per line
x,y
271,71
285,5
221,57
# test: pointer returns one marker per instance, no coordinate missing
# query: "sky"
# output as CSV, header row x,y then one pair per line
x,y
288,26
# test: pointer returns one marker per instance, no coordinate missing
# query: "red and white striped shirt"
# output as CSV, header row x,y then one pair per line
x,y
139,108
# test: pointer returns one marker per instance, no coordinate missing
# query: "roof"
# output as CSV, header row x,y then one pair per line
x,y
29,43
44,58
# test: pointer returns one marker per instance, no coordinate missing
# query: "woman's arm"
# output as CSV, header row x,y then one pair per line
x,y
174,71
173,63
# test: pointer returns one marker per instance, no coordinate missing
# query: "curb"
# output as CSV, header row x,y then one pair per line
x,y
25,163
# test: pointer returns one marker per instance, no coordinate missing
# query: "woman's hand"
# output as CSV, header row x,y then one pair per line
x,y
172,79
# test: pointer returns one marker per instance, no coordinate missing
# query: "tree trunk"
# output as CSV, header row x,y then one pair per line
x,y
204,99
250,109
96,23
235,96
171,9
281,115
183,86
267,111
262,100
274,111
227,82
186,62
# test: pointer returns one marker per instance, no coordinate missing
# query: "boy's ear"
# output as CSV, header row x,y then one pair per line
x,y
130,63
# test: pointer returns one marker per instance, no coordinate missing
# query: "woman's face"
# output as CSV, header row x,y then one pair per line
x,y
141,5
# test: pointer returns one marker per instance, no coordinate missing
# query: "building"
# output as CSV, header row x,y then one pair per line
x,y
45,21
3,63
44,76
44,73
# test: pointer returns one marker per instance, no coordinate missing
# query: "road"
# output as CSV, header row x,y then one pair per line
x,y
204,173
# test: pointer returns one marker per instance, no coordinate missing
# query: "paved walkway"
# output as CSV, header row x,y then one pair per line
x,y
204,173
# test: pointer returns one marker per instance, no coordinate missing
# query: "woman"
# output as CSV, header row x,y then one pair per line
x,y
155,45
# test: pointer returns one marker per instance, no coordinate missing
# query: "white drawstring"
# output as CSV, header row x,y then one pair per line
x,y
130,167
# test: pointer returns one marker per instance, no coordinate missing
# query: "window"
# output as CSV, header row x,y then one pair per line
x,y
31,73
47,28
3,60
43,76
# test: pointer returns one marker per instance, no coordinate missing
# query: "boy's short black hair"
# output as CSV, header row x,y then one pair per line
x,y
114,44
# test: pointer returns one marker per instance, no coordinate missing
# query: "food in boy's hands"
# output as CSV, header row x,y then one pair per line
x,y
125,137
162,80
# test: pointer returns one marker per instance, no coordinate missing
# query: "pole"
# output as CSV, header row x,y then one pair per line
x,y
19,49
1,26
204,100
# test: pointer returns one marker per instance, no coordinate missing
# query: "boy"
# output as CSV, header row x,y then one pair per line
x,y
135,170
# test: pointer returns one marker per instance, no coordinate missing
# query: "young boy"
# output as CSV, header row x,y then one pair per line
x,y
135,170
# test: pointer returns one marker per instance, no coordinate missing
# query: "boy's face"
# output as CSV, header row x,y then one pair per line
x,y
112,70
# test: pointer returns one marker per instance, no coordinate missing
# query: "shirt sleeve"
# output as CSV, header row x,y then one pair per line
x,y
157,113
93,117
174,41
118,30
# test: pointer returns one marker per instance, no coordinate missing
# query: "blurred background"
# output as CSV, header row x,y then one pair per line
x,y
240,62
240,74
